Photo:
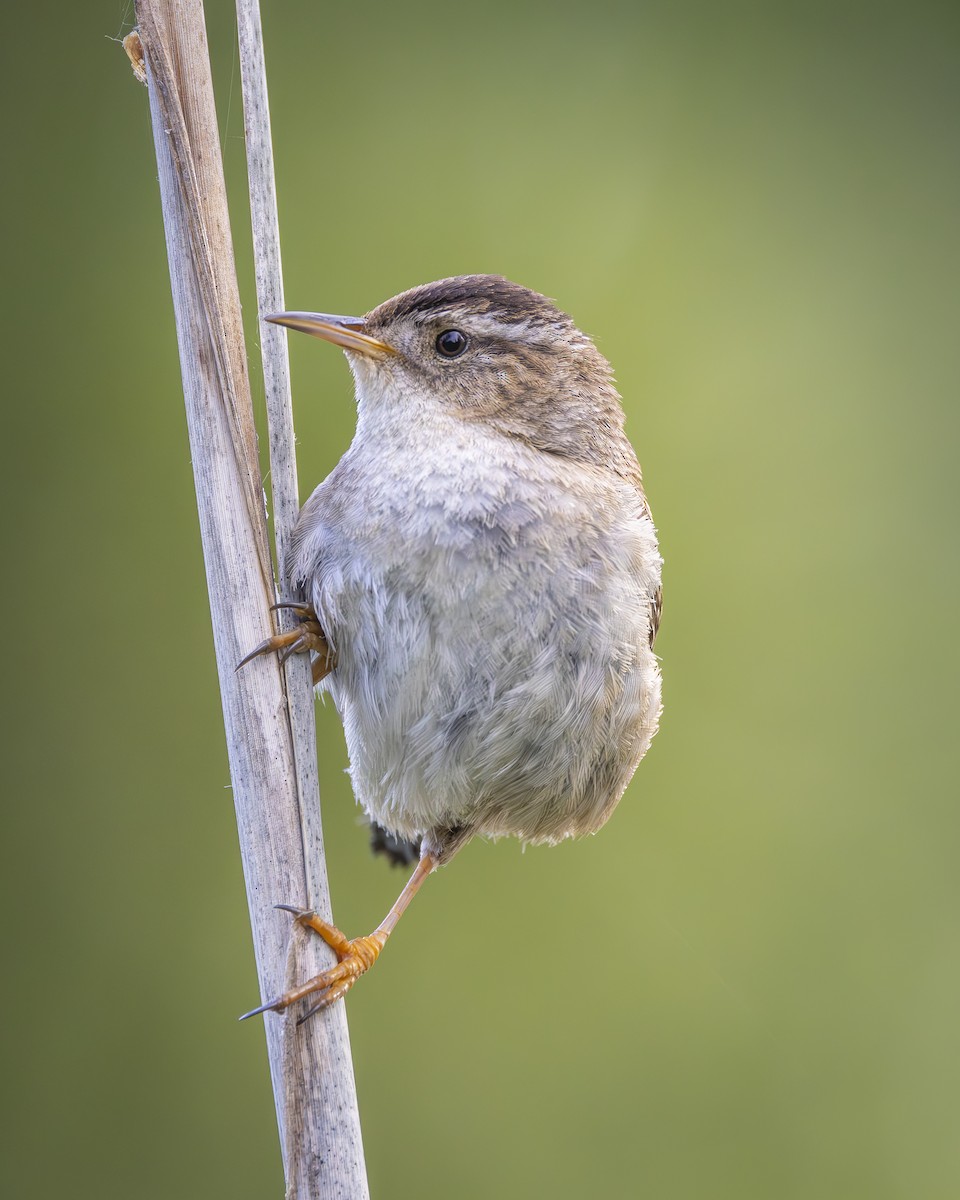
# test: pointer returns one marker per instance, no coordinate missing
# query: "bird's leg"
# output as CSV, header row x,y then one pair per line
x,y
356,956
307,636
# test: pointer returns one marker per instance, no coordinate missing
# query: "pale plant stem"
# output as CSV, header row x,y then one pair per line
x,y
268,717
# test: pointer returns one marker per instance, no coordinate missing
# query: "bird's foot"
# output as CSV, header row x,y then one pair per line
x,y
356,957
306,637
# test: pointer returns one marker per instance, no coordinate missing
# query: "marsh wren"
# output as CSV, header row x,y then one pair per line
x,y
478,581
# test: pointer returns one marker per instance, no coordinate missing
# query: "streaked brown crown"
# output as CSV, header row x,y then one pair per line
x,y
466,294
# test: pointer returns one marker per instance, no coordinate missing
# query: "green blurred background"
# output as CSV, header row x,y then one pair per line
x,y
747,986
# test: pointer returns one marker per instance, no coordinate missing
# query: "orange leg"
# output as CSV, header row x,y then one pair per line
x,y
356,956
307,636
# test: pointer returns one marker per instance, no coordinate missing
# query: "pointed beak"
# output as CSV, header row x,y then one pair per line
x,y
342,331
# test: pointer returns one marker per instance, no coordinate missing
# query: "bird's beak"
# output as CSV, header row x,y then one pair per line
x,y
342,331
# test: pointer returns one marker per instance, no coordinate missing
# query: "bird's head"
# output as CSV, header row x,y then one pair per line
x,y
486,350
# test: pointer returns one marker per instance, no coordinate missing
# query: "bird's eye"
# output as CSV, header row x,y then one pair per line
x,y
451,343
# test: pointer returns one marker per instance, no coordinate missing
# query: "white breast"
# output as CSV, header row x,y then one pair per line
x,y
489,606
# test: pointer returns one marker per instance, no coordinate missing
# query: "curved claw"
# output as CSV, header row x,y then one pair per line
x,y
309,1013
255,1012
329,997
261,649
291,649
277,642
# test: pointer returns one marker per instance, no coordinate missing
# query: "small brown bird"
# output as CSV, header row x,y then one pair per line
x,y
478,581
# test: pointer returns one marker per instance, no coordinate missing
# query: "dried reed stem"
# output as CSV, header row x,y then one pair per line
x,y
268,718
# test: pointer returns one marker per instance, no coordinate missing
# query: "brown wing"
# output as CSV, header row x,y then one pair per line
x,y
656,604
656,600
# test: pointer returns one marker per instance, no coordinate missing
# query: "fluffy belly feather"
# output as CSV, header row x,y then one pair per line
x,y
516,699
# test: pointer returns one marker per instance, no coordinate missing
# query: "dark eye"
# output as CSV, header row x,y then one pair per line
x,y
451,343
